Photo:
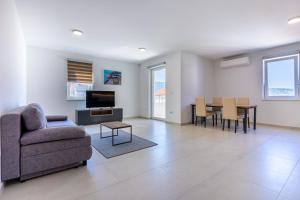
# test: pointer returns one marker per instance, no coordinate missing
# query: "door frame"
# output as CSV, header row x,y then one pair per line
x,y
152,92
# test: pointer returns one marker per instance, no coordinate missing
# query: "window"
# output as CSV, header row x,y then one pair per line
x,y
281,78
80,79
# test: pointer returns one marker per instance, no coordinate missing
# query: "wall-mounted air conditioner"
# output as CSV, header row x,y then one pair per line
x,y
235,62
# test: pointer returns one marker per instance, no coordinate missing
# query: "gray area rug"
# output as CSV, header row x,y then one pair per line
x,y
105,147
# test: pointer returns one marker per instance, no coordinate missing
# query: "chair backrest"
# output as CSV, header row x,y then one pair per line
x,y
243,101
229,108
217,100
200,107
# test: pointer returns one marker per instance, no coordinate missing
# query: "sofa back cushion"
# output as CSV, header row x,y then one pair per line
x,y
34,117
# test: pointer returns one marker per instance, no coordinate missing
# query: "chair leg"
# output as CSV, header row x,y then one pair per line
x,y
213,119
223,123
248,122
235,124
204,122
196,121
228,123
216,119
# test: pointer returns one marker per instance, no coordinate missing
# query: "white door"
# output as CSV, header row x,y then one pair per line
x,y
159,93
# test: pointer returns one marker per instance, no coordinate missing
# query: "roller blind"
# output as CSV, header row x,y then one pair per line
x,y
80,72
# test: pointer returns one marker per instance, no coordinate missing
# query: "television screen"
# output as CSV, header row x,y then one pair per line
x,y
97,99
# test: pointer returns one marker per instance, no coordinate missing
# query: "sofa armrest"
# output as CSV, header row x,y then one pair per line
x,y
10,129
52,118
52,134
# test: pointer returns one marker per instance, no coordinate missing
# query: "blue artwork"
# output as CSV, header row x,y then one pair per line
x,y
112,77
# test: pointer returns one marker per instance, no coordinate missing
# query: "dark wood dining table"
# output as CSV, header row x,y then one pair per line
x,y
246,110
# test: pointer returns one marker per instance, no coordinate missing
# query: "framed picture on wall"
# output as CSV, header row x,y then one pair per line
x,y
112,77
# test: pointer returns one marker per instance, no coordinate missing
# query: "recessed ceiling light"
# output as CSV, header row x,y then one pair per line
x,y
77,32
142,49
294,20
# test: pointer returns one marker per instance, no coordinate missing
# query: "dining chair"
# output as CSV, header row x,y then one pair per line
x,y
243,101
216,111
202,112
230,112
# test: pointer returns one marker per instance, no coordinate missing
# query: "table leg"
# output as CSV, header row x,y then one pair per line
x,y
113,137
193,114
100,131
254,120
245,121
130,133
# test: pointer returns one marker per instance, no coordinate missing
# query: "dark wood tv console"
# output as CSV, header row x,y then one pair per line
x,y
97,116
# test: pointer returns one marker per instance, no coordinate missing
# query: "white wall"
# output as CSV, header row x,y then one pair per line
x,y
197,79
173,85
12,58
47,81
247,81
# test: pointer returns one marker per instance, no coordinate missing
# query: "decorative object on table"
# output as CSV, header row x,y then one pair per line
x,y
112,77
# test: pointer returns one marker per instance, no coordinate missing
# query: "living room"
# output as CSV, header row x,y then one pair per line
x,y
149,100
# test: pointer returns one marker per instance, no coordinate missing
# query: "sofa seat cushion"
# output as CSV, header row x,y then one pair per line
x,y
52,134
66,123
49,147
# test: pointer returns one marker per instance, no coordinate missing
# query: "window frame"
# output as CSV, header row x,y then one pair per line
x,y
74,66
294,56
77,98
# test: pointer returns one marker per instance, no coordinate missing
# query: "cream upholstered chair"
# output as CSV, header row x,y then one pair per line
x,y
243,101
217,100
202,112
216,111
230,112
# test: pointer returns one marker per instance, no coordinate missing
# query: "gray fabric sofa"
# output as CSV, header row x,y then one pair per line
x,y
52,144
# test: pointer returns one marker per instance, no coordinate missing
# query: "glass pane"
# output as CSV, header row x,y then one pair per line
x,y
78,90
159,93
281,78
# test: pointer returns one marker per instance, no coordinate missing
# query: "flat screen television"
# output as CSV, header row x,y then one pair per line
x,y
100,99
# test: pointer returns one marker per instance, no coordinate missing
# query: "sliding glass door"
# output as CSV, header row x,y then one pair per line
x,y
159,93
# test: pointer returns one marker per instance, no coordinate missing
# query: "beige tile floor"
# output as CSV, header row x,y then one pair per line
x,y
189,163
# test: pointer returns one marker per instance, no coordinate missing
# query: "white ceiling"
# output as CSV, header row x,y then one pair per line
x,y
117,28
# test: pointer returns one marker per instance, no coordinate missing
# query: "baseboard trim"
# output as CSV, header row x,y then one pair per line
x,y
134,117
278,126
258,123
